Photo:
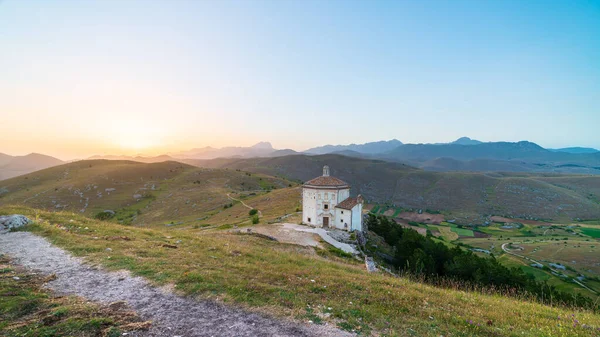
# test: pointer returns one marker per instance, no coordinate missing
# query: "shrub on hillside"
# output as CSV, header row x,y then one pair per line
x,y
255,219
253,211
105,215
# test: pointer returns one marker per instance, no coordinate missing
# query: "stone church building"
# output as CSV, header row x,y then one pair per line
x,y
326,202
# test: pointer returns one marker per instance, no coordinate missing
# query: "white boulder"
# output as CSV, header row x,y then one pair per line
x,y
8,222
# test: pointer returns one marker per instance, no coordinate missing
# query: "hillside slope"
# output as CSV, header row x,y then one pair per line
x,y
465,195
303,283
138,193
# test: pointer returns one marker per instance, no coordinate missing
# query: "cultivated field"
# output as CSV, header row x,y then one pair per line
x,y
573,246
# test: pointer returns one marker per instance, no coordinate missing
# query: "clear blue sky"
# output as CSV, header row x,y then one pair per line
x,y
88,77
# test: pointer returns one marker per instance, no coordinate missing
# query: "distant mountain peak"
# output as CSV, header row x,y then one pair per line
x,y
13,166
263,145
528,144
466,141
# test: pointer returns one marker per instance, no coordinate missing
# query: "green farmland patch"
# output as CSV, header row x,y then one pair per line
x,y
593,232
375,209
463,232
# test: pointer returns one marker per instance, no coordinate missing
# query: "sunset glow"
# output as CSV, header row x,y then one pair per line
x,y
98,77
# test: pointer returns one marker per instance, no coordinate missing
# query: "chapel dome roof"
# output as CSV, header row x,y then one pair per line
x,y
326,181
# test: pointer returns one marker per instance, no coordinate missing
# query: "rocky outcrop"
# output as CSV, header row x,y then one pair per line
x,y
8,222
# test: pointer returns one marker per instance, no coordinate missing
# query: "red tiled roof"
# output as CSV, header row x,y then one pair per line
x,y
348,203
326,181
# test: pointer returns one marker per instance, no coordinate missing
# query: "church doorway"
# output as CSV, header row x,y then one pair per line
x,y
325,221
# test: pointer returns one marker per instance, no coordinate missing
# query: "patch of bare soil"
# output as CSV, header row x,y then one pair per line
x,y
480,235
434,219
389,212
404,224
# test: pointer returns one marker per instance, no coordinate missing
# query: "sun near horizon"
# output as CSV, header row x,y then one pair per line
x,y
104,77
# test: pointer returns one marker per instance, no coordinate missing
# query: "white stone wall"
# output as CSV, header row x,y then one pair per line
x,y
357,217
309,206
344,219
343,195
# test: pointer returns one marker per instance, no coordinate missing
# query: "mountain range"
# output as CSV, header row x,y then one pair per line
x,y
576,150
464,154
262,149
367,148
12,166
141,159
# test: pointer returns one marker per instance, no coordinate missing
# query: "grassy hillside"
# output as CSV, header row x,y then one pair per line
x,y
172,193
167,193
302,283
465,195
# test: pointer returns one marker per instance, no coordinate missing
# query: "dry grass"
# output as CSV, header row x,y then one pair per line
x,y
293,281
140,194
272,205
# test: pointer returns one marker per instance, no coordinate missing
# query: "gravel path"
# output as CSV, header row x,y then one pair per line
x,y
171,315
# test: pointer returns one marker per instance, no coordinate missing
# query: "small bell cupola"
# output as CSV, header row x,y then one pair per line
x,y
325,171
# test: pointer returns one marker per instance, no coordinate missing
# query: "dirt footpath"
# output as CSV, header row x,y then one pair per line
x,y
171,315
